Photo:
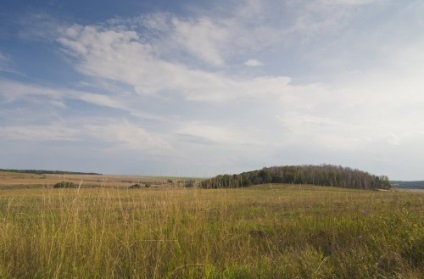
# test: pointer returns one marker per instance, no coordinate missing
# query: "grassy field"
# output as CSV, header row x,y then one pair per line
x,y
11,180
267,231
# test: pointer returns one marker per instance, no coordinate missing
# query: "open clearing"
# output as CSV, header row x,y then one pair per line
x,y
267,231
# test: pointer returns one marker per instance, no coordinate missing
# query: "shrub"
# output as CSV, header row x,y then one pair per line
x,y
64,184
189,183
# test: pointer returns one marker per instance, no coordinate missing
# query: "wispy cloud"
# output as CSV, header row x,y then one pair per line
x,y
38,26
4,62
7,64
51,132
124,134
253,63
349,2
203,38
11,91
123,56
208,133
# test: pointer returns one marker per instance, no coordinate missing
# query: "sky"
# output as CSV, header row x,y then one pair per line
x,y
200,88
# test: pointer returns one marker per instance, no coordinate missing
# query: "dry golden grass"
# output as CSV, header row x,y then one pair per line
x,y
10,180
268,231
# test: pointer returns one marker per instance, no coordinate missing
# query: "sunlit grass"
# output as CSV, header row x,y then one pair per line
x,y
270,231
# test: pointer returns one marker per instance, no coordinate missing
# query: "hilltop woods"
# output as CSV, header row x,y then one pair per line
x,y
324,175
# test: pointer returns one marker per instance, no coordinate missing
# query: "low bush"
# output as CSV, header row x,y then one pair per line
x,y
65,184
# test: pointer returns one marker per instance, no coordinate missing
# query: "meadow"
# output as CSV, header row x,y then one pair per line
x,y
266,231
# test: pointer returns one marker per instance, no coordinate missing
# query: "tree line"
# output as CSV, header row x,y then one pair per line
x,y
323,175
48,172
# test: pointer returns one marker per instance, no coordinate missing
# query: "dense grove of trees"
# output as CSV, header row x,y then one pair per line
x,y
324,175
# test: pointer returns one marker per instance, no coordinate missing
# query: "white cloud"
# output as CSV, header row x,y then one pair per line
x,y
4,62
101,100
348,2
321,131
253,63
7,64
203,38
122,56
393,139
209,133
56,99
38,26
11,91
127,135
119,134
156,22
54,131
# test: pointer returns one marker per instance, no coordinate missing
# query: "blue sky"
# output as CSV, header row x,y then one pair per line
x,y
199,88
